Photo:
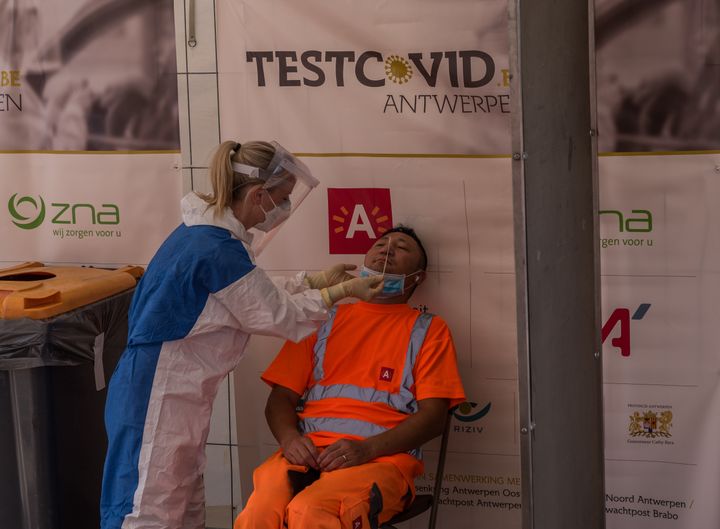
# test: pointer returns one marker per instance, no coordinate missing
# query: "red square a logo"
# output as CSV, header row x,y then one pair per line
x,y
386,374
357,218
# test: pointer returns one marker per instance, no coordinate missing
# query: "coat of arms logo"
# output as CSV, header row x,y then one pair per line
x,y
651,424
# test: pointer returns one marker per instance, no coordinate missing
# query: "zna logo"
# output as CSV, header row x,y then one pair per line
x,y
642,222
621,317
33,219
60,213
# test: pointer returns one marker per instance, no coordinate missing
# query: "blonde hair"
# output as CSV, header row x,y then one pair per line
x,y
228,185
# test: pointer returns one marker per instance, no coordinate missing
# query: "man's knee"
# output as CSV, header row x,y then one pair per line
x,y
259,517
306,510
300,506
267,472
272,477
265,508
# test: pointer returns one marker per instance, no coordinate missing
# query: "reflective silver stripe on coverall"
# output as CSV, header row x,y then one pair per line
x,y
403,401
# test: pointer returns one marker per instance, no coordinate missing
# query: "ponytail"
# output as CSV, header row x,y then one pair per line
x,y
228,185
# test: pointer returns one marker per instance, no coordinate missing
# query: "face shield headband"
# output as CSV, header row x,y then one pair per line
x,y
285,169
283,166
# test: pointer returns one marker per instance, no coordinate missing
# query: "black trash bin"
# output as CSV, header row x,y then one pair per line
x,y
62,331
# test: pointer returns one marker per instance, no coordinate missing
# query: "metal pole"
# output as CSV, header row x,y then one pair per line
x,y
557,264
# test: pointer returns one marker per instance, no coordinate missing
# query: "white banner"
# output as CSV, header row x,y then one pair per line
x,y
378,77
95,209
89,133
398,108
661,278
400,123
470,287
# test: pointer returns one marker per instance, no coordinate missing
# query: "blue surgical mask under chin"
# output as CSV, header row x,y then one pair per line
x,y
393,284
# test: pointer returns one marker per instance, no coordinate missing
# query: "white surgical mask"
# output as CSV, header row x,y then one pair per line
x,y
275,216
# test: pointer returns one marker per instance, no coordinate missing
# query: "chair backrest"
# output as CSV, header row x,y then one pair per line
x,y
423,502
440,471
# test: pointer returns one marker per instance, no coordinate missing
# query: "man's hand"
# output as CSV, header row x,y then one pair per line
x,y
345,453
282,419
300,450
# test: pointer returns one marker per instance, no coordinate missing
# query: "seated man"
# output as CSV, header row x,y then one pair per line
x,y
351,405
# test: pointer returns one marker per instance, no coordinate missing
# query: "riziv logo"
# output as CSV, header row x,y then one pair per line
x,y
22,217
466,412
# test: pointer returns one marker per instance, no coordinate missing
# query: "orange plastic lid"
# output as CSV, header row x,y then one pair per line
x,y
33,290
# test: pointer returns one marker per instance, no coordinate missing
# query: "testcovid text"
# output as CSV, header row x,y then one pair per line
x,y
315,68
439,71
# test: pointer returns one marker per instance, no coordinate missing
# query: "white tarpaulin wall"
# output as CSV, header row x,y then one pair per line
x,y
661,376
92,209
89,138
658,66
409,100
400,108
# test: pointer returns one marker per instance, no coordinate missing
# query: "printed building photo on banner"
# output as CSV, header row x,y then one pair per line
x,y
88,75
658,75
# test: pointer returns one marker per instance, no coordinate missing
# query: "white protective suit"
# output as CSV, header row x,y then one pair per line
x,y
190,320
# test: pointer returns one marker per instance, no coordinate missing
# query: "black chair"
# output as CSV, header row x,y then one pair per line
x,y
423,502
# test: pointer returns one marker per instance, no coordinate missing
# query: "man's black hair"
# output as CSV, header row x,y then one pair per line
x,y
410,233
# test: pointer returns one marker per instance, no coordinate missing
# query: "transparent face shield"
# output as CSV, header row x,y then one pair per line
x,y
287,180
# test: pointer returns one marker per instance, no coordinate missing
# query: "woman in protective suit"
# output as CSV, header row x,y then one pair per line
x,y
194,309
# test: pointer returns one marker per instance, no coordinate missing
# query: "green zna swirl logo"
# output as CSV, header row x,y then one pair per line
x,y
33,211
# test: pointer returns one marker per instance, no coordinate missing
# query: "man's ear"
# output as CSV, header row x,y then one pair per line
x,y
415,281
